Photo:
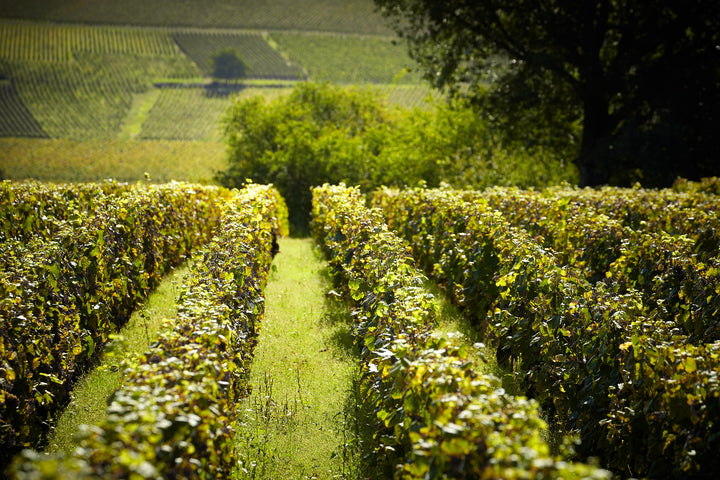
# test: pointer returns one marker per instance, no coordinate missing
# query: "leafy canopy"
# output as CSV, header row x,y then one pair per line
x,y
629,89
321,133
228,65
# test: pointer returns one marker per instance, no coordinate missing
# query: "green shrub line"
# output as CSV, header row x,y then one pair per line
x,y
683,209
628,381
435,416
65,294
172,417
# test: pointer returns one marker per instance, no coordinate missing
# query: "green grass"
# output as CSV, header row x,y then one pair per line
x,y
294,425
89,398
142,103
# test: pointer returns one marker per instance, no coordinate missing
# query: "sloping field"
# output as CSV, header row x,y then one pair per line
x,y
192,113
263,61
184,113
352,16
58,43
16,119
79,81
347,58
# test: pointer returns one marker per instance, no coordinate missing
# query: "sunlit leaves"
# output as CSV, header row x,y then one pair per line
x,y
624,361
436,417
75,274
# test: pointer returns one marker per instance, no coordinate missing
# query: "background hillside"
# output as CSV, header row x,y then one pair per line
x,y
347,16
107,72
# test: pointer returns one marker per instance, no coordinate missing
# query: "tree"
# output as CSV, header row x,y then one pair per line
x,y
228,65
628,89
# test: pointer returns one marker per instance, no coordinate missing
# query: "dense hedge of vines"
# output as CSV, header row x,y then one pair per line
x,y
436,417
640,386
72,275
172,418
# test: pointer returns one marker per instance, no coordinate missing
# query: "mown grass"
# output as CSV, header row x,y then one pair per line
x,y
90,397
96,160
295,424
141,105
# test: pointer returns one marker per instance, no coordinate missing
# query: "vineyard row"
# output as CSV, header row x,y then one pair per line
x,y
68,281
435,416
172,418
638,384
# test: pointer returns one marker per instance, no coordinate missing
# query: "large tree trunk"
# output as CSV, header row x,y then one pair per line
x,y
595,160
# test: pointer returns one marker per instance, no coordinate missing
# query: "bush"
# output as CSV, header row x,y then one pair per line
x,y
228,65
327,134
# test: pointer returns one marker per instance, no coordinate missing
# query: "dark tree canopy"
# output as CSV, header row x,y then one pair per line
x,y
629,89
228,65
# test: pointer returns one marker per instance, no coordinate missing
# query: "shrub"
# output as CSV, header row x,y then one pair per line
x,y
327,134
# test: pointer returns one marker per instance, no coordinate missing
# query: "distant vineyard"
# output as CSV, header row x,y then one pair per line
x,y
59,43
84,82
316,15
262,60
78,81
184,114
84,98
347,59
192,113
16,120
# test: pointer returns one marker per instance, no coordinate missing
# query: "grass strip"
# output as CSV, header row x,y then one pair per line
x,y
293,426
89,399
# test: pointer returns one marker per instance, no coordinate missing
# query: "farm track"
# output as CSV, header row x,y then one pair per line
x,y
293,426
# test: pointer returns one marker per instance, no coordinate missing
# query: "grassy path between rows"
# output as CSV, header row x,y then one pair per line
x,y
303,418
88,400
294,425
